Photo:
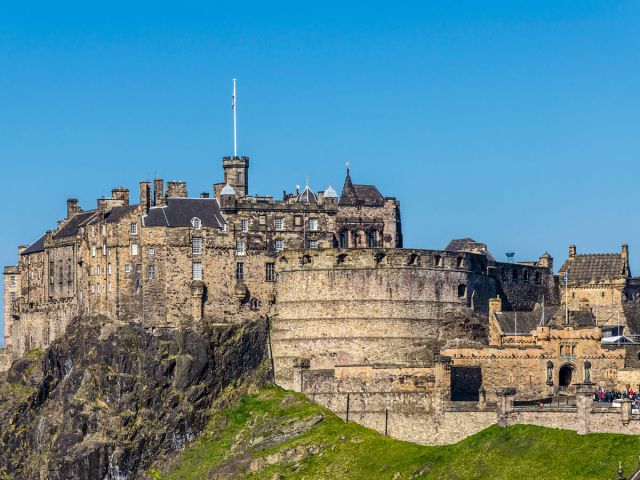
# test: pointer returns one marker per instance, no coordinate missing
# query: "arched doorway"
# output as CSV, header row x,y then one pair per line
x,y
565,375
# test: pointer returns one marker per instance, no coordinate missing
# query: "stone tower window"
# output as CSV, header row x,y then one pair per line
x,y
152,272
460,262
587,372
196,246
196,271
196,223
240,271
437,261
462,291
344,239
12,280
12,296
373,239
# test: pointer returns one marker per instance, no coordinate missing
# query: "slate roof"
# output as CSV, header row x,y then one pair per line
x,y
37,246
468,245
595,268
179,211
307,196
526,321
118,213
367,195
71,227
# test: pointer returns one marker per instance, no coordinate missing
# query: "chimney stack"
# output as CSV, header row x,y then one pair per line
x,y
121,194
625,252
204,195
145,196
72,206
572,251
177,189
158,192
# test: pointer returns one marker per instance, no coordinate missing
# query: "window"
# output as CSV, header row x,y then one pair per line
x,y
196,223
93,288
538,278
270,272
373,239
108,269
263,219
90,270
98,270
133,229
460,262
109,286
97,287
297,220
196,246
13,296
279,245
437,261
134,249
12,280
93,230
240,271
127,268
152,251
51,272
313,224
244,225
104,230
344,239
196,270
239,247
224,227
239,177
93,250
279,223
313,244
462,291
104,249
152,272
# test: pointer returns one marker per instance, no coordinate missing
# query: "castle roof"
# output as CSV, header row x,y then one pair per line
x,y
37,246
307,196
330,193
73,225
524,321
180,211
596,267
227,190
352,194
468,245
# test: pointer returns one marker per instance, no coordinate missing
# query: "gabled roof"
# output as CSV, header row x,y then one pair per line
x,y
367,195
70,228
35,247
118,213
180,211
596,267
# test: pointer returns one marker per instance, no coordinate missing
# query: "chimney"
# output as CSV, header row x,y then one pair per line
x,y
145,196
177,189
572,251
546,261
121,194
72,206
158,192
625,252
204,195
103,205
21,249
495,305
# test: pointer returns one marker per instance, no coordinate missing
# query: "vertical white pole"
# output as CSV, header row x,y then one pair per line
x,y
235,129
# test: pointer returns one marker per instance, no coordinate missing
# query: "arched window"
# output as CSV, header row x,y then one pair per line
x,y
587,372
196,223
344,239
373,239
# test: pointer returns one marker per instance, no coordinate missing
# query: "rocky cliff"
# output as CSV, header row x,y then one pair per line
x,y
107,400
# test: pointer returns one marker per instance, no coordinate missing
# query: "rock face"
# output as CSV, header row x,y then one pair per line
x,y
107,400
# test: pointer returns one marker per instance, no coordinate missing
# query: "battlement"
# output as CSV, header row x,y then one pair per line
x,y
360,258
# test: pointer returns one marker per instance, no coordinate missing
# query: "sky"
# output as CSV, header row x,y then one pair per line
x,y
514,123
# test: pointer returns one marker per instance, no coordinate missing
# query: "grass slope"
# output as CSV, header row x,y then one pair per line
x,y
281,435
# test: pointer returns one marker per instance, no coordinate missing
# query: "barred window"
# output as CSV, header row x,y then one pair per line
x,y
313,244
12,280
133,230
196,245
152,272
244,225
13,296
134,249
127,268
152,251
240,271
93,250
270,272
279,245
279,223
313,224
196,270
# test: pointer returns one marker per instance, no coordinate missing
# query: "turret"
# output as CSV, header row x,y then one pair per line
x,y
236,174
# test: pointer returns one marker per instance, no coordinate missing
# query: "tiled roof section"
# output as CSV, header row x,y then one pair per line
x,y
179,211
71,227
118,213
577,318
468,245
524,321
595,268
360,194
35,247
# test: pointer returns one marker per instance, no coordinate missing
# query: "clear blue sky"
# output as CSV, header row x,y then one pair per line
x,y
515,123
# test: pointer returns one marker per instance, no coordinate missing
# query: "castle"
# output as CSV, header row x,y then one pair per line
x,y
391,337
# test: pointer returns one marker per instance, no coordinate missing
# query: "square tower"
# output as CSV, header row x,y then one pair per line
x,y
236,174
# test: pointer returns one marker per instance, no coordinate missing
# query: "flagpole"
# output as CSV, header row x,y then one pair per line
x,y
235,129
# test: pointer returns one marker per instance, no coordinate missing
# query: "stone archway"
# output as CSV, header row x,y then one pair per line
x,y
565,375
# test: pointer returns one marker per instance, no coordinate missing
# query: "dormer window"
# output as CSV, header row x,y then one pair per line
x,y
196,223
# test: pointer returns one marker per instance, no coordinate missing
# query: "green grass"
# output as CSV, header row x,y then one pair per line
x,y
239,443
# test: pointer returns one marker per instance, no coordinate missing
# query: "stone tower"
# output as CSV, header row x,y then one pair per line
x,y
236,174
